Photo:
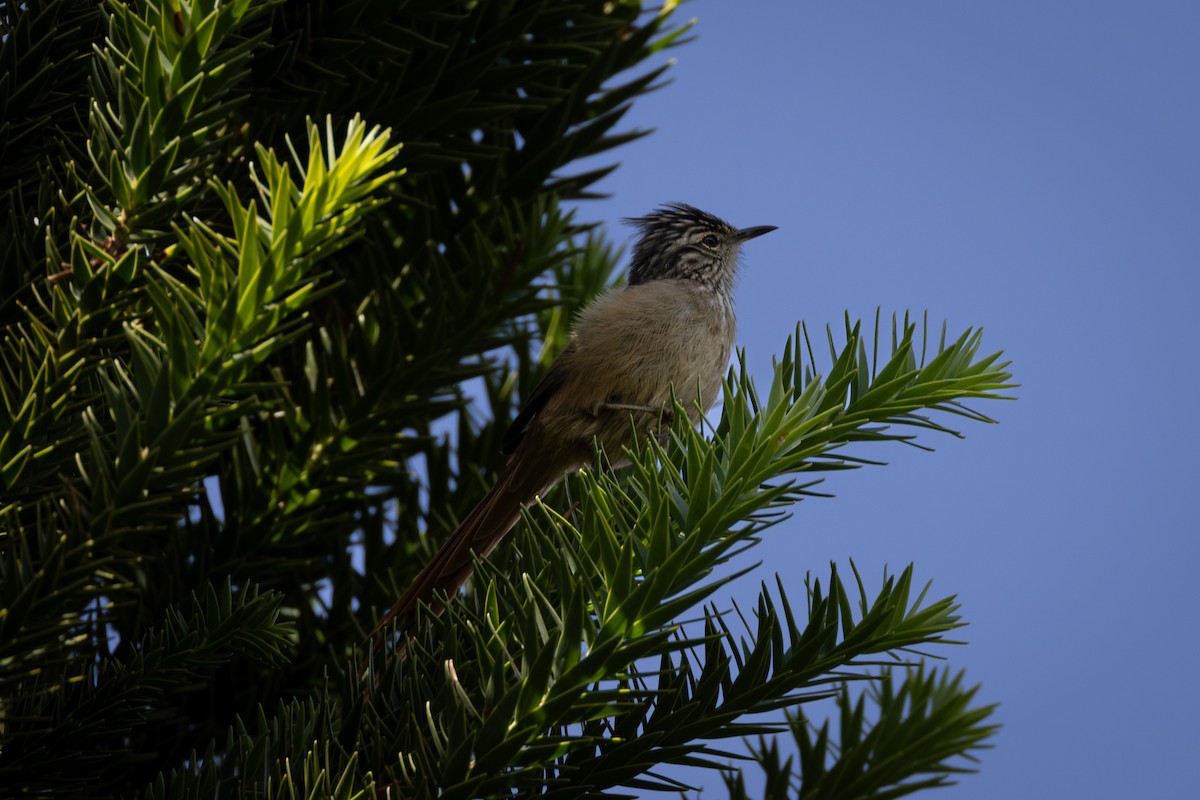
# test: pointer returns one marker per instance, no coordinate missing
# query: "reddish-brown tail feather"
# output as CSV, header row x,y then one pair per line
x,y
479,533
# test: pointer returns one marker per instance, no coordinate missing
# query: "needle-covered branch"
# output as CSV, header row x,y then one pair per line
x,y
577,671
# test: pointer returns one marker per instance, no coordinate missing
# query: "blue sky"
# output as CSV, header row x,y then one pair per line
x,y
1032,168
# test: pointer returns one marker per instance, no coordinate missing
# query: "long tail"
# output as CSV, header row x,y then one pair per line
x,y
523,479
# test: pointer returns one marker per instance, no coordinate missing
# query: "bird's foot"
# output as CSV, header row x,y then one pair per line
x,y
665,416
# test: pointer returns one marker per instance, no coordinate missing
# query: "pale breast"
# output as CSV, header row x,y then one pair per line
x,y
633,345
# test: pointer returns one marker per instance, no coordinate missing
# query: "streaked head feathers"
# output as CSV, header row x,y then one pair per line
x,y
681,242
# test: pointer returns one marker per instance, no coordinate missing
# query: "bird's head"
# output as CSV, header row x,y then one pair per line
x,y
679,241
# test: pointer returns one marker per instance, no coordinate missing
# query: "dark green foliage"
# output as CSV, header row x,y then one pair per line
x,y
923,725
254,254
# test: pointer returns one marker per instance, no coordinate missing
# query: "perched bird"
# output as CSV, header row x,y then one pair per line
x,y
670,328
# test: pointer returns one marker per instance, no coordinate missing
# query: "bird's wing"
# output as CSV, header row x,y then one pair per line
x,y
546,388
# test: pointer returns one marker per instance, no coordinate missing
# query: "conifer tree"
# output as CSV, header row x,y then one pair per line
x,y
275,276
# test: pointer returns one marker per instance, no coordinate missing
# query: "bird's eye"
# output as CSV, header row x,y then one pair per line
x,y
709,241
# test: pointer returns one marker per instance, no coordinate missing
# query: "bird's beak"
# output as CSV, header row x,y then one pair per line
x,y
745,234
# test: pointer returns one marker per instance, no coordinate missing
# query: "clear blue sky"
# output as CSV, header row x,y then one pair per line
x,y
1032,168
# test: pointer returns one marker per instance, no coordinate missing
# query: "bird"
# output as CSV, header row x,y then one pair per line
x,y
668,331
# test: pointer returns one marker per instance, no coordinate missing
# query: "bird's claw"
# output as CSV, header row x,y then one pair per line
x,y
665,416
